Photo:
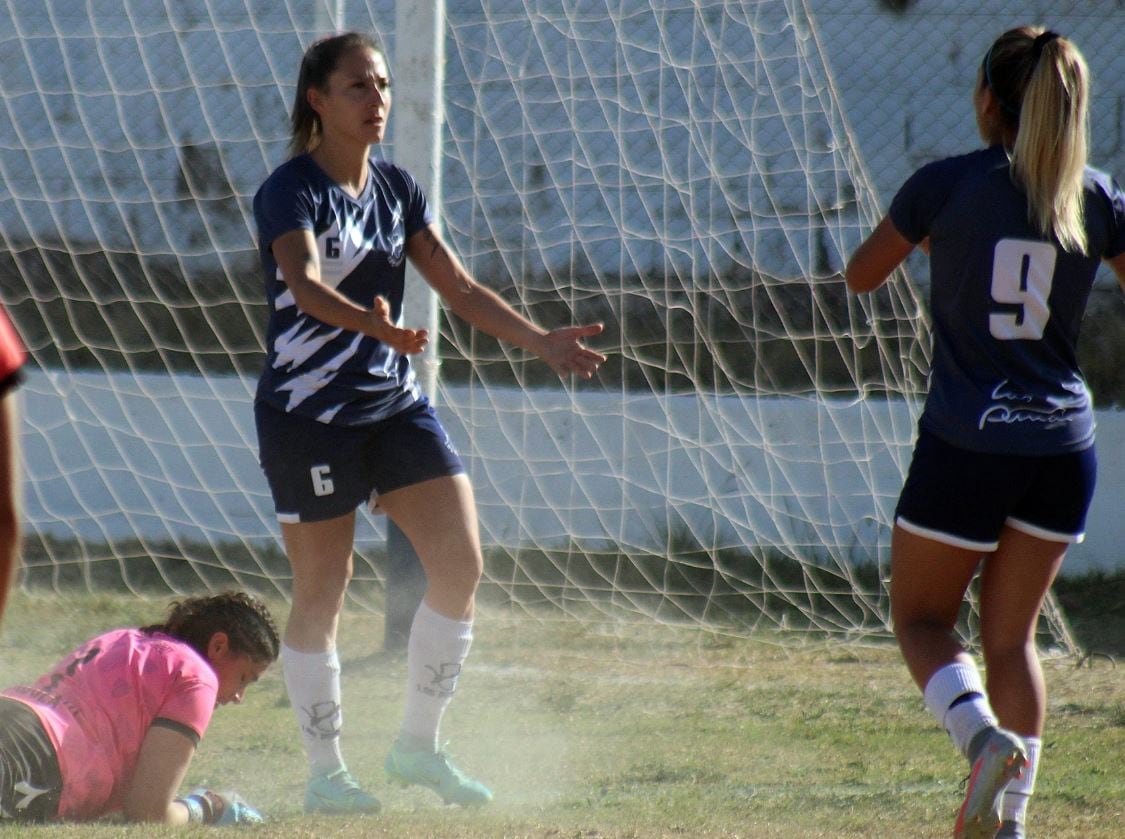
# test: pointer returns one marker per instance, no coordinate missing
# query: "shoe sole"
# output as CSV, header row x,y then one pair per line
x,y
979,817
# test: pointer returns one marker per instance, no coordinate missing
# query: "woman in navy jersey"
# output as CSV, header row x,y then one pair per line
x,y
1004,465
341,419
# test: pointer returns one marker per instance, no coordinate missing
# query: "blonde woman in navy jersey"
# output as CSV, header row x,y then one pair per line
x,y
341,418
1004,465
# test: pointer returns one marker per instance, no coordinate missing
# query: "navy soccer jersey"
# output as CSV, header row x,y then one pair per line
x,y
1006,304
313,369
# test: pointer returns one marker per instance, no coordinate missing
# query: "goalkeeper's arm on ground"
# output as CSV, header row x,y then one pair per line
x,y
164,759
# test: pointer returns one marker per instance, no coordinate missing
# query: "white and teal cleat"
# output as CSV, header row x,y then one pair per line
x,y
338,792
435,771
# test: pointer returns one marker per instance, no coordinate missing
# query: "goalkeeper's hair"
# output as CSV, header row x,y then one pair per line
x,y
1041,83
244,619
320,59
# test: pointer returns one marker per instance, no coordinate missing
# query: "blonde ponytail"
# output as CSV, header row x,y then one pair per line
x,y
1042,83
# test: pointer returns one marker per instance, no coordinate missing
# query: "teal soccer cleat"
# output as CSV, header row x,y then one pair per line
x,y
435,771
338,792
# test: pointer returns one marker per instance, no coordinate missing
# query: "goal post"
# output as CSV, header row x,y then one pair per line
x,y
684,173
419,75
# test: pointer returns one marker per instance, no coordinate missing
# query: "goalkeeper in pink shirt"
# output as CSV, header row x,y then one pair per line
x,y
114,726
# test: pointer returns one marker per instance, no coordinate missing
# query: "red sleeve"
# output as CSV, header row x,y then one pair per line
x,y
12,354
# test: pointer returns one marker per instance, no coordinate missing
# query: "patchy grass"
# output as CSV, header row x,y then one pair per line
x,y
625,730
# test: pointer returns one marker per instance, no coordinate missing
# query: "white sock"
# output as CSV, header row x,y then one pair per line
x,y
437,648
955,696
1016,796
313,683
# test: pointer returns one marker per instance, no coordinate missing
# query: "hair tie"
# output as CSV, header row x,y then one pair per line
x,y
1040,42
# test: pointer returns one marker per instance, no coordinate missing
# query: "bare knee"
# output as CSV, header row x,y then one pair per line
x,y
459,579
452,588
323,592
315,613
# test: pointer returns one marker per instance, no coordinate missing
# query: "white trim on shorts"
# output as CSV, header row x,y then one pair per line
x,y
1043,533
946,538
289,518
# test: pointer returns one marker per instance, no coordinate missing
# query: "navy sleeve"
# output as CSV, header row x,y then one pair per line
x,y
281,205
418,215
1116,244
920,199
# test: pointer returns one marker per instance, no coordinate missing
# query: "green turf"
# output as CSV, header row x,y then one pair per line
x,y
619,730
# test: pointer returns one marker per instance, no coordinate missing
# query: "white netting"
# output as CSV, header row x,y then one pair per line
x,y
681,170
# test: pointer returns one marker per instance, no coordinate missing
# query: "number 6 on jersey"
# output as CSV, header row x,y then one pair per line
x,y
322,480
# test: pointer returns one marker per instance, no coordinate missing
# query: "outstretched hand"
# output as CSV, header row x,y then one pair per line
x,y
405,341
564,352
226,808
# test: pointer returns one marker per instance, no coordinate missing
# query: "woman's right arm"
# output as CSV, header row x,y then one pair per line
x,y
875,259
161,765
296,256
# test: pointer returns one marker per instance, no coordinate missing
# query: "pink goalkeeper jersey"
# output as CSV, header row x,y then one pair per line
x,y
100,701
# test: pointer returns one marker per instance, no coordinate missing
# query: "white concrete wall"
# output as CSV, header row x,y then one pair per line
x,y
175,458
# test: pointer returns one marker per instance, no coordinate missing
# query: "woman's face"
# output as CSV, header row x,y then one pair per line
x,y
356,100
236,671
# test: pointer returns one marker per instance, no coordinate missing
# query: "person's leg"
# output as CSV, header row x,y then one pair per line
x,y
928,583
1014,583
439,518
318,474
9,495
320,554
1048,518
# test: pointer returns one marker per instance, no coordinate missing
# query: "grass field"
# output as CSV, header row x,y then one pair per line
x,y
618,730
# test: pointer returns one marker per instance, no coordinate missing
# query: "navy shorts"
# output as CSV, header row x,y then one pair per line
x,y
965,498
318,471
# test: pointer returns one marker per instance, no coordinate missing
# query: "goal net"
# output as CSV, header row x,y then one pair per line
x,y
683,172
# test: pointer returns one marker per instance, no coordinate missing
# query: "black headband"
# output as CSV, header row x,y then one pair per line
x,y
1040,42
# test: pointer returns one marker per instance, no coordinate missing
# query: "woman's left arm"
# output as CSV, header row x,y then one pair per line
x,y
161,765
875,259
561,349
